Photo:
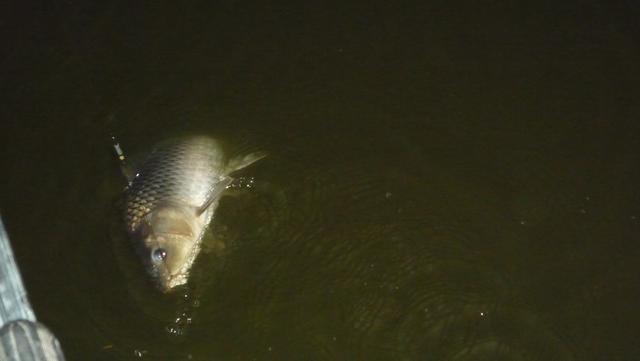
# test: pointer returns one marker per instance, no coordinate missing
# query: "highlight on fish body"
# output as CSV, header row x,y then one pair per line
x,y
170,201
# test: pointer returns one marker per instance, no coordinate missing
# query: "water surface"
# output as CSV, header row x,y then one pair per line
x,y
444,181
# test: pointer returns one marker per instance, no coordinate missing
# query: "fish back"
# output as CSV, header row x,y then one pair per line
x,y
181,172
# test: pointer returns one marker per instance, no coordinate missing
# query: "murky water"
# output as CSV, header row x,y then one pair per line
x,y
444,182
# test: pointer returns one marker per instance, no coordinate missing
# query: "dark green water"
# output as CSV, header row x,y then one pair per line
x,y
445,181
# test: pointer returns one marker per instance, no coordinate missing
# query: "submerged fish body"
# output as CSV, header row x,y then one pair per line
x,y
171,201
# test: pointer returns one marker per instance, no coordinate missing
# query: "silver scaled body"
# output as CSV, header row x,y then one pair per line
x,y
171,200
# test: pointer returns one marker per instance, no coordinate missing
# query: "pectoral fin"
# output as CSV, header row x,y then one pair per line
x,y
240,162
214,193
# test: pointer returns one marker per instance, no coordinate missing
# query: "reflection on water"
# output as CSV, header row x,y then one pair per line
x,y
444,182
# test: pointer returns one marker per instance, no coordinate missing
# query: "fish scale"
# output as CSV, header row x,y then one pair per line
x,y
182,172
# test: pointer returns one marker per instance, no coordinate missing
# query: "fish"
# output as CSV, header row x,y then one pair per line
x,y
170,202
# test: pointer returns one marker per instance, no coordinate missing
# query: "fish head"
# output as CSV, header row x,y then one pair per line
x,y
169,246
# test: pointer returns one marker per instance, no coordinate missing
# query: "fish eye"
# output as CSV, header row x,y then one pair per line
x,y
159,254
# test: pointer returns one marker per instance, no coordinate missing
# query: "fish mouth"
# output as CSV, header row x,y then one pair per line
x,y
169,283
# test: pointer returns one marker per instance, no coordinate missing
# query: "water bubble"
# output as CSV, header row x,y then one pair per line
x,y
175,330
139,353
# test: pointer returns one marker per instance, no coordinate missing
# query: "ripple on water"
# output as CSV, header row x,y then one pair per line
x,y
345,260
357,262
